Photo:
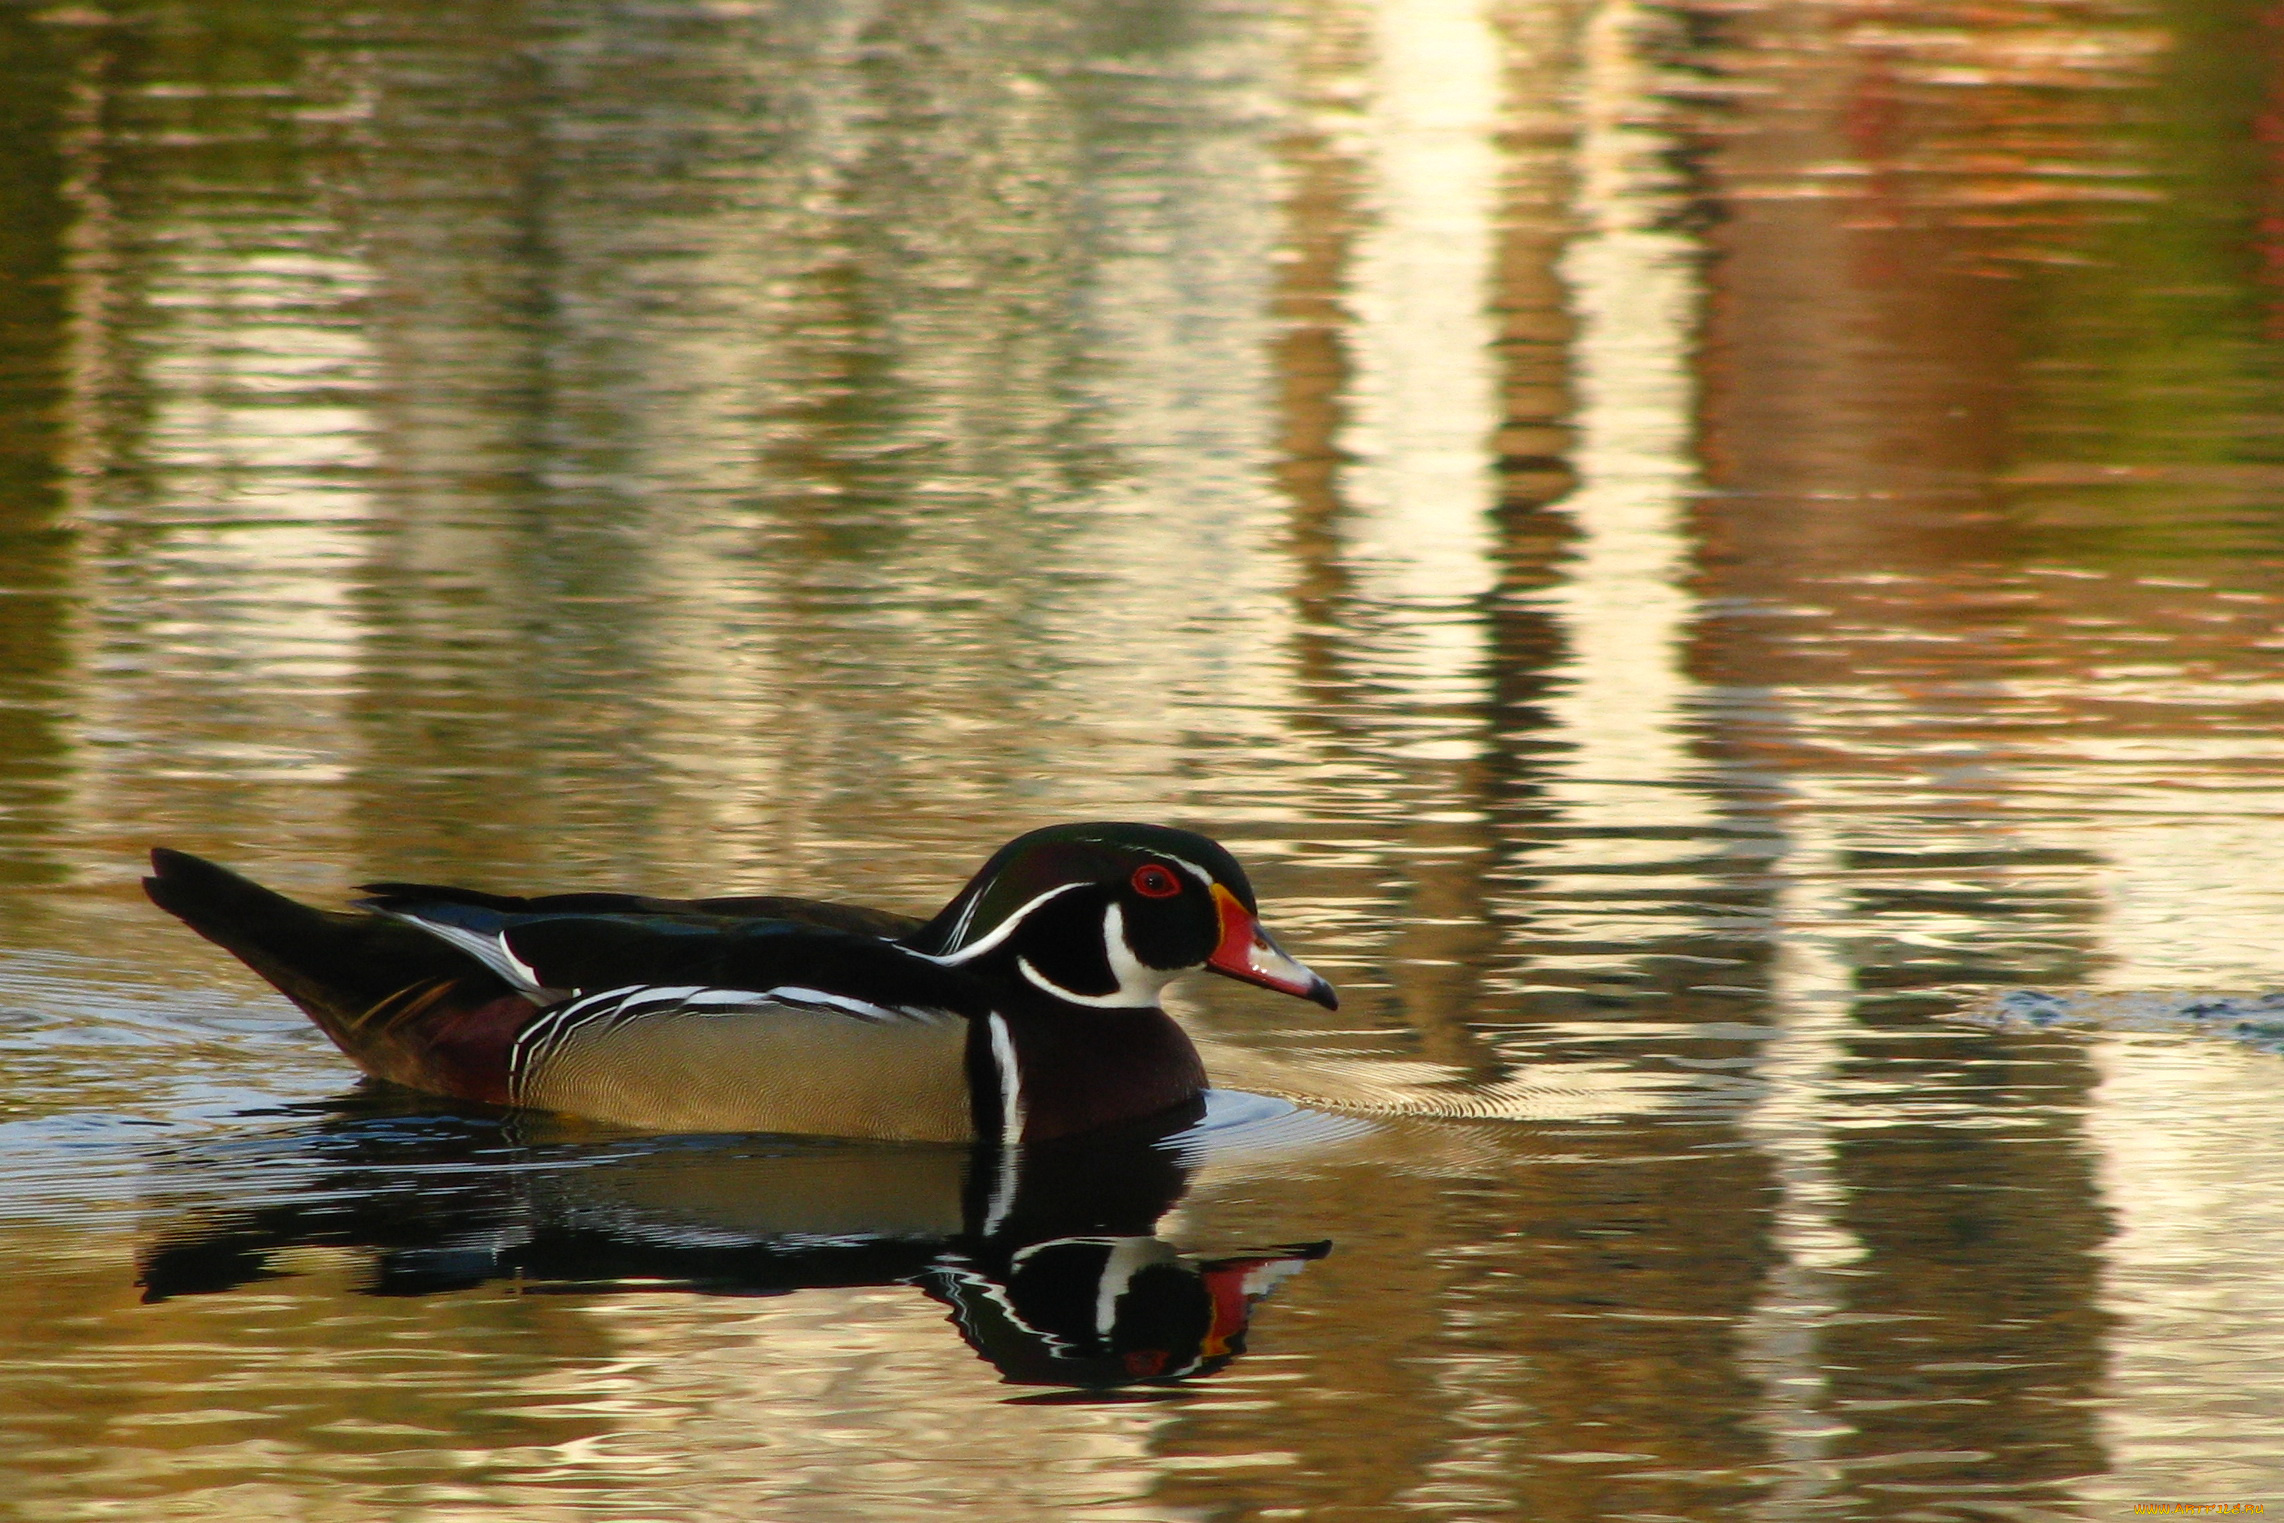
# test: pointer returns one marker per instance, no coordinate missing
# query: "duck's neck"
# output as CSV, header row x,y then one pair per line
x,y
1077,1069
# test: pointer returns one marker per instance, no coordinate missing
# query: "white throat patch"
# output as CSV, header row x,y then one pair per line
x,y
1139,984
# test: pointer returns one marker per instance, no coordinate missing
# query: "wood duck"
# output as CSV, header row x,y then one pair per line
x,y
1027,1008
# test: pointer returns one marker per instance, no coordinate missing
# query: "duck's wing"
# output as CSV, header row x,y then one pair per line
x,y
551,954
675,1023
855,919
444,992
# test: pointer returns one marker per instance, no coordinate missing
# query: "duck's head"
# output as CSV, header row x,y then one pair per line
x,y
1100,1312
1107,914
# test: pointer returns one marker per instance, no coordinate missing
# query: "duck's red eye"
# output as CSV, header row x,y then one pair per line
x,y
1154,882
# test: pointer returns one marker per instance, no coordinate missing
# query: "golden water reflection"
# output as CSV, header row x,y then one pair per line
x,y
1682,543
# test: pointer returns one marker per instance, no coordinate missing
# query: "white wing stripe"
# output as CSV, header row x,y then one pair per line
x,y
795,994
489,948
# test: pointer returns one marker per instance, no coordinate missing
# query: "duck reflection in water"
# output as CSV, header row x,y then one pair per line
x,y
1047,1258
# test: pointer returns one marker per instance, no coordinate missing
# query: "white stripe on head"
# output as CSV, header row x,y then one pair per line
x,y
1195,871
967,918
998,933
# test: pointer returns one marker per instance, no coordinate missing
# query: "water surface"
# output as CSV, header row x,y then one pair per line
x,y
1687,548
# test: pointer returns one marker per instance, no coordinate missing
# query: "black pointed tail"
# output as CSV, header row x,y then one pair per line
x,y
338,967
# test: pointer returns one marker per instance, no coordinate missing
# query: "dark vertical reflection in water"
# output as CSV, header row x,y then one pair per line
x,y
37,76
